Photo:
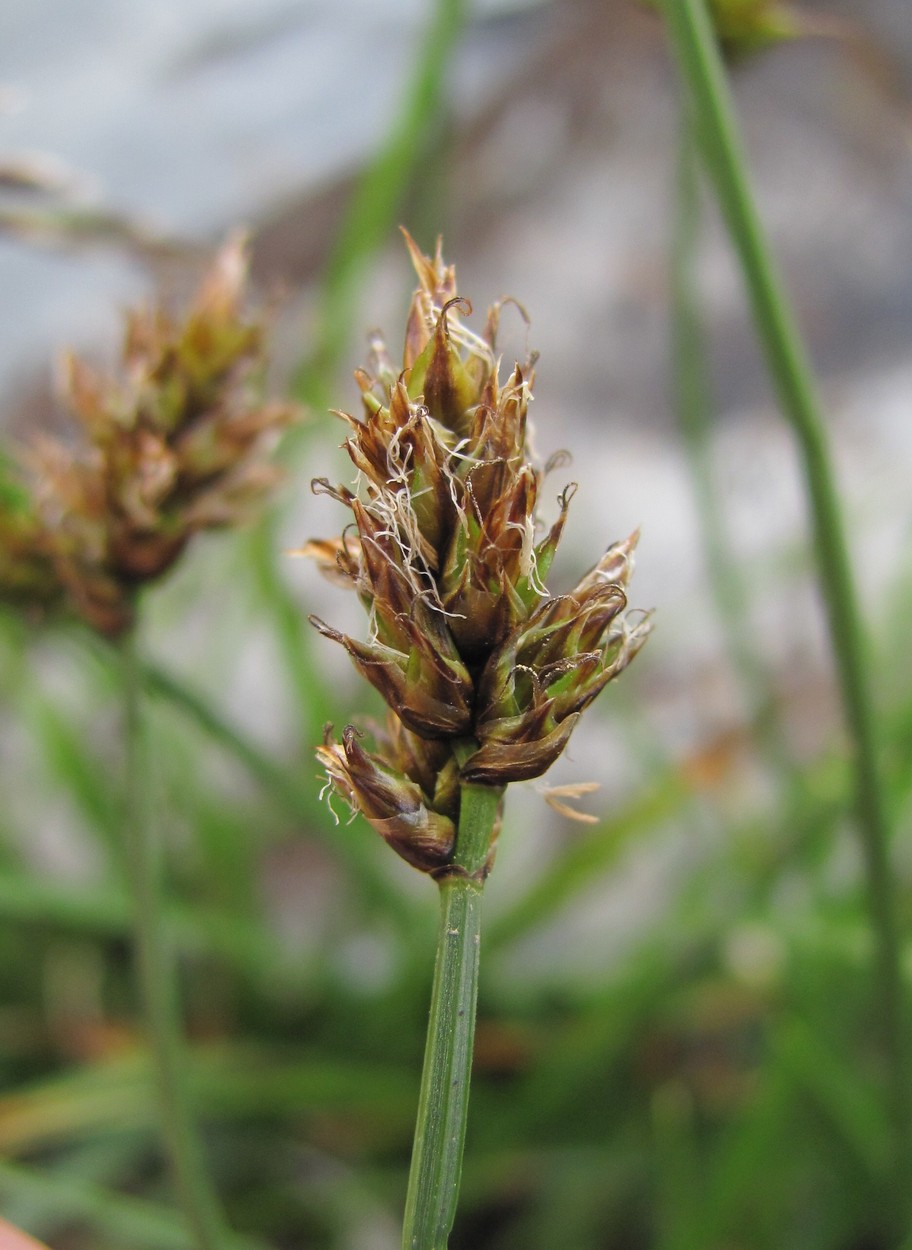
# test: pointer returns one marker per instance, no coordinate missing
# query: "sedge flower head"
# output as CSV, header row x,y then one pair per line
x,y
485,672
171,446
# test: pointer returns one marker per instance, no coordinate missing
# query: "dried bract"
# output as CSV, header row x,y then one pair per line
x,y
396,805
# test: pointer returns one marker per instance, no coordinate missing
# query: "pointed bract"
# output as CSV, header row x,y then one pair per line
x,y
393,803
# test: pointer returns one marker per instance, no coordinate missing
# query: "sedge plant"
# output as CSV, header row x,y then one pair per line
x,y
485,673
171,446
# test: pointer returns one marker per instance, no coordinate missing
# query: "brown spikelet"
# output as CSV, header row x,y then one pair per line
x,y
485,673
172,445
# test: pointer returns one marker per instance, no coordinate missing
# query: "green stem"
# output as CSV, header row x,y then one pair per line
x,y
444,1099
379,193
701,67
158,979
693,403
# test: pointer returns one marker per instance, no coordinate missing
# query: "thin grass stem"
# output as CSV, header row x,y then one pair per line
x,y
444,1099
701,67
693,403
378,195
157,977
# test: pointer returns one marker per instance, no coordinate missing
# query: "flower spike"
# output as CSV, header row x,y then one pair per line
x,y
485,672
172,445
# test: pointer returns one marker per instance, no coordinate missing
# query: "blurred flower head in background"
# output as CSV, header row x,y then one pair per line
x,y
171,447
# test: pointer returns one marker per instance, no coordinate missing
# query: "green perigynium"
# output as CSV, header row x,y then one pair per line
x,y
484,671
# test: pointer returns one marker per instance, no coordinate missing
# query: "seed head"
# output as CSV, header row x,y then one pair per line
x,y
476,660
169,449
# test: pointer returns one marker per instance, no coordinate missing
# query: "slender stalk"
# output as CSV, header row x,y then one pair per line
x,y
379,193
157,977
444,1099
702,70
694,404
